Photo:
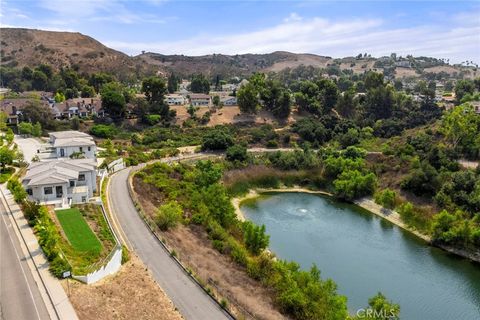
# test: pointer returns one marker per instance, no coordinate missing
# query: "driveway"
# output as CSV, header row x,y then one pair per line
x,y
29,146
192,302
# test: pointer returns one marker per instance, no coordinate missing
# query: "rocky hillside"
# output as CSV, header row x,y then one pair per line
x,y
20,47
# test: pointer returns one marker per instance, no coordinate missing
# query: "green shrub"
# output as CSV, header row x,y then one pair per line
x,y
386,198
125,254
104,131
168,215
16,188
58,266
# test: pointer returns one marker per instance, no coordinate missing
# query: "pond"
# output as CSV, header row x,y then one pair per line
x,y
365,254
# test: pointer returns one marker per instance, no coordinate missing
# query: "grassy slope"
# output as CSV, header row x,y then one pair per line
x,y
78,232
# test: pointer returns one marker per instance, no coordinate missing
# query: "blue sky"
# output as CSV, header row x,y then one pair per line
x,y
444,29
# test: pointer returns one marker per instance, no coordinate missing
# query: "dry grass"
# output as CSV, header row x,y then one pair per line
x,y
225,277
130,294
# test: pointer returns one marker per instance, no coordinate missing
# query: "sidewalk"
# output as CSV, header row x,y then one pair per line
x,y
55,298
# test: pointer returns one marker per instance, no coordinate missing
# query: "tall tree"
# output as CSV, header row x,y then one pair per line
x,y
200,84
247,98
172,83
113,100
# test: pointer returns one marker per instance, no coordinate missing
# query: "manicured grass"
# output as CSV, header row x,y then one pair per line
x,y
79,234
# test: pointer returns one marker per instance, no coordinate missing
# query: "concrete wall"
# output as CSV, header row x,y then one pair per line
x,y
109,268
38,192
116,165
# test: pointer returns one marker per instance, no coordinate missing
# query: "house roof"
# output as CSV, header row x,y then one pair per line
x,y
57,171
199,96
71,139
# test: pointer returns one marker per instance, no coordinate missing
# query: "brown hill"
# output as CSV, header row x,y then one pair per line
x,y
28,47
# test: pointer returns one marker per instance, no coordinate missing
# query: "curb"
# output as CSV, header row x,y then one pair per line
x,y
58,305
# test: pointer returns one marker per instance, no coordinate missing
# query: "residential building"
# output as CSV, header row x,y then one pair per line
x,y
61,182
67,143
79,107
175,99
200,99
229,101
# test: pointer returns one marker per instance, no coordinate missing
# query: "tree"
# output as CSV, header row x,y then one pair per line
x,y
236,152
200,84
3,121
462,88
97,80
35,112
217,139
379,102
46,69
276,98
168,215
461,126
39,80
6,157
373,80
386,198
216,101
172,85
247,98
37,130
154,89
59,97
25,128
346,104
27,73
88,92
379,309
352,184
113,101
255,237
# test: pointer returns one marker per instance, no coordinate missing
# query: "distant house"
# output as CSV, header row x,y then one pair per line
x,y
67,143
200,99
61,182
175,99
476,106
403,64
184,92
79,107
14,107
229,87
229,101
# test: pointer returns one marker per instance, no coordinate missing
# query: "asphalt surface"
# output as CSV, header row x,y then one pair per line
x,y
192,302
20,298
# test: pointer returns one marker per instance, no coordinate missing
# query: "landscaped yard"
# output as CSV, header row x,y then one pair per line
x,y
79,234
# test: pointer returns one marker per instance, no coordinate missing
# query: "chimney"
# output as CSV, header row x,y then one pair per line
x,y
14,110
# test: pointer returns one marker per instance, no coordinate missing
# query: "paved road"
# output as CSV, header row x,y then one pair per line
x,y
19,295
188,297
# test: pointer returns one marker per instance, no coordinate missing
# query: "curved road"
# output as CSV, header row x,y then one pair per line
x,y
192,302
20,297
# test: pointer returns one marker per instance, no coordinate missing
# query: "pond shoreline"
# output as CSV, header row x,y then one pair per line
x,y
366,203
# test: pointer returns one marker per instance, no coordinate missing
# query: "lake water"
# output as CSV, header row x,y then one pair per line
x,y
365,254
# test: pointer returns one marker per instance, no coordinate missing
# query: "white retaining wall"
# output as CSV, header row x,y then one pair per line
x,y
110,268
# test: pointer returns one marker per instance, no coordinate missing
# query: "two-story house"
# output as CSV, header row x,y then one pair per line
x,y
67,144
200,99
61,182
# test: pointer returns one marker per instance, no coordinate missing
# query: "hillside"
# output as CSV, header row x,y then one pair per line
x,y
20,47
28,47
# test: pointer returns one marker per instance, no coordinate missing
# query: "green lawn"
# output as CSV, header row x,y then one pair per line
x,y
79,234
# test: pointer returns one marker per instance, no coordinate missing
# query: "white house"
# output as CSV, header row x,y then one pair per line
x,y
66,143
229,101
200,99
61,182
175,99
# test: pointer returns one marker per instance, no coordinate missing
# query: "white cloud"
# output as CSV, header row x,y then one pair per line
x,y
325,37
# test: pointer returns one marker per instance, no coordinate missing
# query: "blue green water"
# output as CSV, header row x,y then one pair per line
x,y
365,254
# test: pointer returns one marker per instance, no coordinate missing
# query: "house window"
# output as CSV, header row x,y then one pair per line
x,y
72,183
88,148
62,152
81,177
47,190
84,199
29,192
81,149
